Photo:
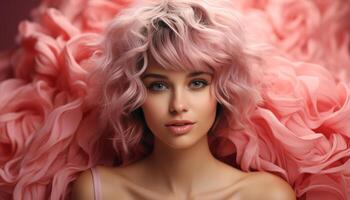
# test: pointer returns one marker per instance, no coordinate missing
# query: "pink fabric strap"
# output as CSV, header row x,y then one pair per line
x,y
96,183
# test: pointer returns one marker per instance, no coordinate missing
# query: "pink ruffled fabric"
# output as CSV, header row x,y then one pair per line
x,y
48,130
301,131
316,31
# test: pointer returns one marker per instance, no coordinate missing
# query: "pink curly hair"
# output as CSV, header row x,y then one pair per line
x,y
179,35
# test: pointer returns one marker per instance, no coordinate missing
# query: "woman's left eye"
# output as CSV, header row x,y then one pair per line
x,y
199,83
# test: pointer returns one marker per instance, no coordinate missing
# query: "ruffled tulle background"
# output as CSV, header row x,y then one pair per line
x,y
301,130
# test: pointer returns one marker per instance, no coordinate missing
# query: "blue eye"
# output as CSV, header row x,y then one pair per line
x,y
199,83
156,86
159,86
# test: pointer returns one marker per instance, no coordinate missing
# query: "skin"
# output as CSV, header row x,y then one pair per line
x,y
181,167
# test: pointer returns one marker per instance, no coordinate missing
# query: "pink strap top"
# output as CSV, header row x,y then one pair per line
x,y
96,183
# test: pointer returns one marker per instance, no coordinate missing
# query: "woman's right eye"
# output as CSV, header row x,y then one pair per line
x,y
156,86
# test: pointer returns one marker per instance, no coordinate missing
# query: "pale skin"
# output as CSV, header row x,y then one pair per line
x,y
181,167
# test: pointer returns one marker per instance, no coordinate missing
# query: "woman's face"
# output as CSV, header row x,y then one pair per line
x,y
174,96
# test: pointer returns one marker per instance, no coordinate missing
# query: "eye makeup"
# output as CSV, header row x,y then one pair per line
x,y
195,84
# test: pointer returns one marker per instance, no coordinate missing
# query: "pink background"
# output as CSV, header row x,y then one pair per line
x,y
11,13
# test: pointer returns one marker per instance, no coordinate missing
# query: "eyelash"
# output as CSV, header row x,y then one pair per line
x,y
150,87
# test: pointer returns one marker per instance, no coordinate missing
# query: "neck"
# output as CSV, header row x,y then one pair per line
x,y
182,169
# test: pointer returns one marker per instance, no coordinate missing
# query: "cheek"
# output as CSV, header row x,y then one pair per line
x,y
205,104
211,111
210,115
153,110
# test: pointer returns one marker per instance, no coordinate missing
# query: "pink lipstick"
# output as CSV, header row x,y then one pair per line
x,y
180,127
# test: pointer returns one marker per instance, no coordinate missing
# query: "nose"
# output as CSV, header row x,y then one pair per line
x,y
178,102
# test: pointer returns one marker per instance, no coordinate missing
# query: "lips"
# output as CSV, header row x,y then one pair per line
x,y
180,127
179,123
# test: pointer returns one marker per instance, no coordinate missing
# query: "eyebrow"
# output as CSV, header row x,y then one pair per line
x,y
153,75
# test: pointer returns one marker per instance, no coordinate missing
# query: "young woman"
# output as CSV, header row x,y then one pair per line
x,y
175,73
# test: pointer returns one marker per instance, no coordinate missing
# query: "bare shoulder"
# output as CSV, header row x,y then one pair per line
x,y
110,180
113,182
82,187
266,186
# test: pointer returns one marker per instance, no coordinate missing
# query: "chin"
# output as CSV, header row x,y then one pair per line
x,y
182,142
